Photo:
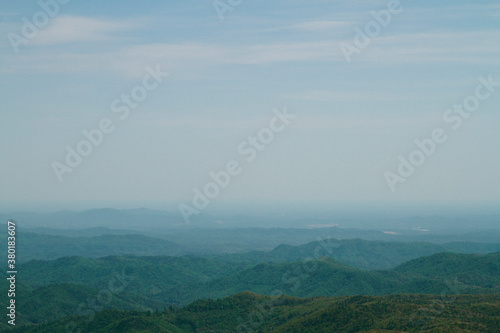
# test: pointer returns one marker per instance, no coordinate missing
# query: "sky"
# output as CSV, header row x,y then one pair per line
x,y
284,101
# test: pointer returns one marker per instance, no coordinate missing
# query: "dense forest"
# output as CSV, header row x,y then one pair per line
x,y
172,293
249,312
255,280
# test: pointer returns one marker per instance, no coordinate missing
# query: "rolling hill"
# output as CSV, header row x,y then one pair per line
x,y
358,252
180,280
55,301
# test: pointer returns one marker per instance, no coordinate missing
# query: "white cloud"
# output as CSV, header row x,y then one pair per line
x,y
320,25
306,122
67,29
131,59
336,96
365,122
285,52
202,121
457,47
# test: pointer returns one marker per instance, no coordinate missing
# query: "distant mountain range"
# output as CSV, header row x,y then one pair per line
x,y
149,219
98,218
359,253
354,252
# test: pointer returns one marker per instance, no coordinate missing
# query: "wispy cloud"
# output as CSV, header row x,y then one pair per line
x,y
285,52
456,11
320,25
154,120
456,47
67,29
339,96
129,59
342,122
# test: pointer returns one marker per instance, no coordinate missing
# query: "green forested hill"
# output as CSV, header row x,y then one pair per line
x,y
367,254
38,246
476,270
55,301
327,277
72,286
359,253
180,280
147,276
248,312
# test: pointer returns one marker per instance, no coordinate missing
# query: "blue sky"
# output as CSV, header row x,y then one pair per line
x,y
352,121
